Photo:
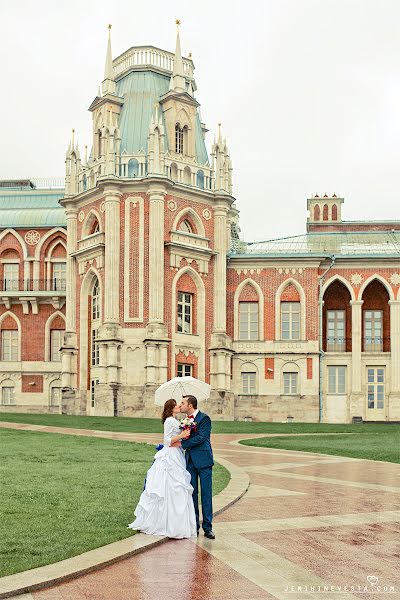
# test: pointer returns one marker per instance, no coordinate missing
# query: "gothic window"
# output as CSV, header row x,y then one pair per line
x,y
9,344
334,212
325,212
248,320
96,301
11,276
59,276
200,179
95,228
95,349
290,320
373,326
185,309
317,213
84,182
336,330
55,344
133,168
185,226
178,139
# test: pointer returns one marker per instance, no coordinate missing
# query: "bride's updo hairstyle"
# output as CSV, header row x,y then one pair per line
x,y
168,408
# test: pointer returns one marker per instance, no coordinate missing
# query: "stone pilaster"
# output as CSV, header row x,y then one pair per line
x,y
395,345
356,334
70,300
220,216
112,256
156,255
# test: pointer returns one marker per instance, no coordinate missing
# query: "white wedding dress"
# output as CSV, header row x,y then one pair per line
x,y
166,506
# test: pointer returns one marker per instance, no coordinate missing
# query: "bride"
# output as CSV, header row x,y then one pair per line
x,y
165,506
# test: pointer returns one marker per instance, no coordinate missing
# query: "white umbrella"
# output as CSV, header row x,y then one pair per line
x,y
178,387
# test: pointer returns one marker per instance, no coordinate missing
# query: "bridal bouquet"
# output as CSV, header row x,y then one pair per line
x,y
187,423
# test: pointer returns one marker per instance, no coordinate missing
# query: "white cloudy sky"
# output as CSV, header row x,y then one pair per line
x,y
308,92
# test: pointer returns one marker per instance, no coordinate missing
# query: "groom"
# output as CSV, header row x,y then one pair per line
x,y
199,462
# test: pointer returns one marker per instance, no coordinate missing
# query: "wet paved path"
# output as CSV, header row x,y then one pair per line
x,y
307,520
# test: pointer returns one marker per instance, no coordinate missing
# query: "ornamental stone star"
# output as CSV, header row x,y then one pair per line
x,y
395,279
356,279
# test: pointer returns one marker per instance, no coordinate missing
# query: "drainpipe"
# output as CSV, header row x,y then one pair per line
x,y
320,333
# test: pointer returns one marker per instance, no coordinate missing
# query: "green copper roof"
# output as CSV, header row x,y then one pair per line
x,y
34,208
141,90
345,244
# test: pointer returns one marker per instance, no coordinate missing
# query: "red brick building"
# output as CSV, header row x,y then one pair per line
x,y
158,282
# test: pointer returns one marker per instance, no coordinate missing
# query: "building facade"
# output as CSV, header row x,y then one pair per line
x,y
135,273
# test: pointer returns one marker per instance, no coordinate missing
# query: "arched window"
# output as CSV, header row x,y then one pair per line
x,y
336,318
187,176
96,301
185,226
174,172
133,168
95,228
178,139
375,318
84,182
7,392
334,212
200,179
317,213
325,215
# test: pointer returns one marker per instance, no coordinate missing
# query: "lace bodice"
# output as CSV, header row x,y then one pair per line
x,y
171,429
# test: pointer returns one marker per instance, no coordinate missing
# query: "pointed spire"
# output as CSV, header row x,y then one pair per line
x,y
219,134
108,83
178,82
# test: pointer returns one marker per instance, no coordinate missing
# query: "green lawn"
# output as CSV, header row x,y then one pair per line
x,y
154,425
62,495
380,445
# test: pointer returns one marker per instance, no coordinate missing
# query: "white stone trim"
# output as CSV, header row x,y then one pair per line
x,y
382,280
8,313
196,218
136,200
86,286
201,319
236,299
46,237
47,328
346,283
19,238
278,295
86,224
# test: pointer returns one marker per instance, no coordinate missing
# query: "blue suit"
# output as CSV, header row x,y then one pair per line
x,y
199,463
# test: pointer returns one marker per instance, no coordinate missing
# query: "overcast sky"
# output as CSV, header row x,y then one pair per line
x,y
308,93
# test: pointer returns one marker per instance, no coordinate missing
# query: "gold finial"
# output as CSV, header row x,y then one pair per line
x,y
73,137
190,55
178,22
109,29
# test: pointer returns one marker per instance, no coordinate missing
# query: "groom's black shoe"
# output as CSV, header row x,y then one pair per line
x,y
209,534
